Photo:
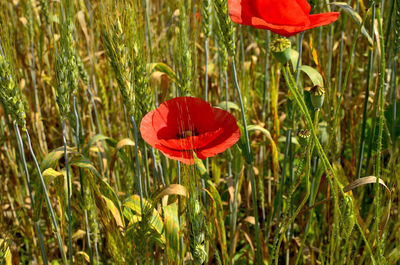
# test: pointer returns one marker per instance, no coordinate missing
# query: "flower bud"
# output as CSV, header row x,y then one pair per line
x,y
348,215
281,49
303,136
317,94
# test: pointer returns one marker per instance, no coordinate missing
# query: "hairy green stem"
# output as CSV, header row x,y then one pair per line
x,y
310,149
327,166
381,88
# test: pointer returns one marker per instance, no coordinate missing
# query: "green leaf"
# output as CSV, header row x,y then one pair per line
x,y
172,189
50,174
231,105
114,211
219,217
51,159
133,203
96,138
171,232
51,177
393,121
162,67
5,253
294,57
122,143
243,146
274,149
313,74
199,165
237,162
105,188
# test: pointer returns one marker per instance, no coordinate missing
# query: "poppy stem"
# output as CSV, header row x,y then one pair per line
x,y
310,148
381,96
252,180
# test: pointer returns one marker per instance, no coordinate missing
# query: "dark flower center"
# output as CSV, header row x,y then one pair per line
x,y
187,133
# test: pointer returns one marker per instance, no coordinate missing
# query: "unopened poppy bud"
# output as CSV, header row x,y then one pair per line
x,y
281,49
317,94
303,136
348,215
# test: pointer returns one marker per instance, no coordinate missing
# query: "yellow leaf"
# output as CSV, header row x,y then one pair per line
x,y
6,250
114,211
173,189
314,53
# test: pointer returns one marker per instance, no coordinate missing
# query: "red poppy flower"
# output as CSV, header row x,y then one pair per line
x,y
284,17
183,125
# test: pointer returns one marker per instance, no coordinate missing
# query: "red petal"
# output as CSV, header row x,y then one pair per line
x,y
305,6
147,130
228,138
323,19
217,129
182,114
315,21
185,157
192,142
279,12
244,12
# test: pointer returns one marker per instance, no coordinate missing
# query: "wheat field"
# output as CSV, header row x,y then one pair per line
x,y
199,132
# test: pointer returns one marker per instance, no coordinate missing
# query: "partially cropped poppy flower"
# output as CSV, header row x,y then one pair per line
x,y
284,17
183,125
